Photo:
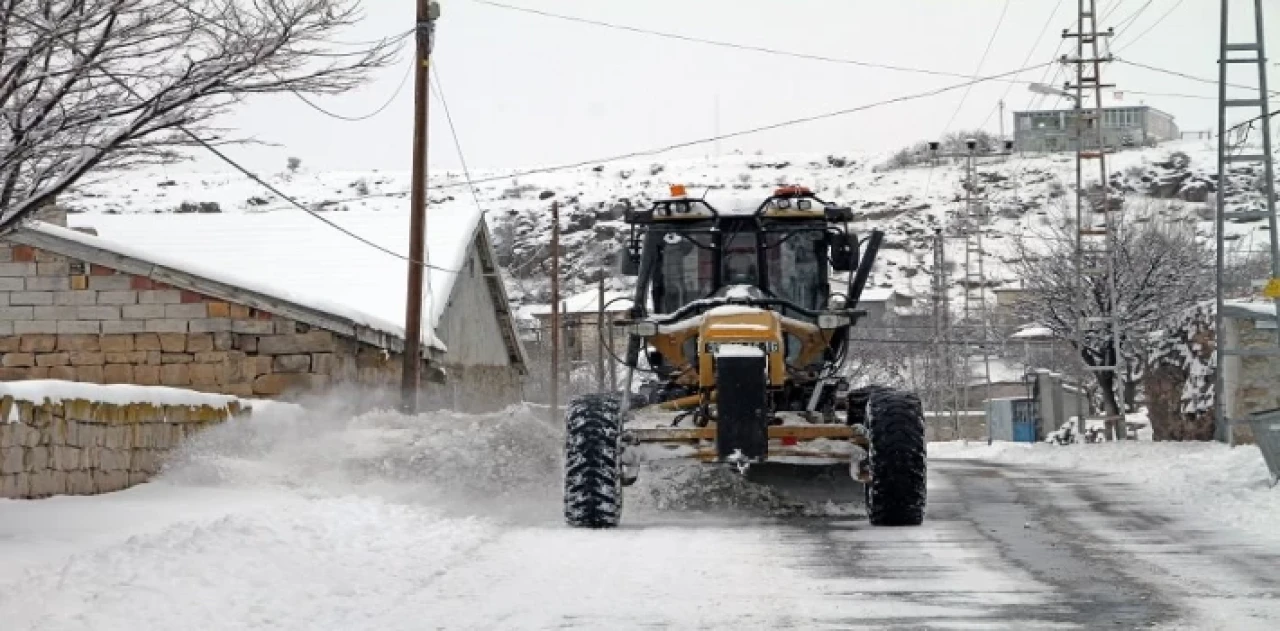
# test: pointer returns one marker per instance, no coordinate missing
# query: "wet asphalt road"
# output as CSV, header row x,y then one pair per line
x,y
1002,548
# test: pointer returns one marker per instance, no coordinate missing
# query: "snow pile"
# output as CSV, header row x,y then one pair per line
x,y
39,390
469,462
1230,486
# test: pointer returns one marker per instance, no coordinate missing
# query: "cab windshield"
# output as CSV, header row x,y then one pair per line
x,y
794,262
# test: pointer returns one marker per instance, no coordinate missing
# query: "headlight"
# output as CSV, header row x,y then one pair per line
x,y
832,320
767,347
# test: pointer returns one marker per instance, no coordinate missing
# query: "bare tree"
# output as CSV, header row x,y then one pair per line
x,y
110,84
1161,269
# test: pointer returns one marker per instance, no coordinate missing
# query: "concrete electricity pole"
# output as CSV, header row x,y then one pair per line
x,y
427,14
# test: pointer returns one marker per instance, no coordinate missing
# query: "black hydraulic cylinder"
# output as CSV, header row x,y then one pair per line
x,y
859,281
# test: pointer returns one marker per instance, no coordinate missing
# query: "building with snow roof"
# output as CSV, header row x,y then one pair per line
x,y
1054,130
580,323
271,305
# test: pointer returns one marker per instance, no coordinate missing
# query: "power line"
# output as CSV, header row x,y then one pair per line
x,y
702,141
981,61
1128,22
235,165
721,43
355,119
1027,60
1107,14
1152,27
1184,75
351,119
453,131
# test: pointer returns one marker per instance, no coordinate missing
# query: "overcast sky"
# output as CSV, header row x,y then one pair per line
x,y
530,90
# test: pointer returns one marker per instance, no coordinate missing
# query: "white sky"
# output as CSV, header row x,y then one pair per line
x,y
530,90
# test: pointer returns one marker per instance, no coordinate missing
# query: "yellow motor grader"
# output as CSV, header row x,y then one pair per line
x,y
743,341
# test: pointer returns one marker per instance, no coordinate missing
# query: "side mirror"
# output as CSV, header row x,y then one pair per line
x,y
628,262
843,252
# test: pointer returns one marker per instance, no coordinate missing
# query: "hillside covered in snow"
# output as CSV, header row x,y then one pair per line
x,y
1174,182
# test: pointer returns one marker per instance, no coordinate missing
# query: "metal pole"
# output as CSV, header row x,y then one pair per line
x,y
600,335
1222,426
555,310
411,373
1268,164
1113,269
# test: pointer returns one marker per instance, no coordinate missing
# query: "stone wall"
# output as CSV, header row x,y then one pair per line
x,y
1253,382
68,320
941,427
83,447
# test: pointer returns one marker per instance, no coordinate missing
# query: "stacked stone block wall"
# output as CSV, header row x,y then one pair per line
x,y
83,447
71,320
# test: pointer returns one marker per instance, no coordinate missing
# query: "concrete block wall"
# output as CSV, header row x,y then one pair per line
x,y
940,427
85,447
74,321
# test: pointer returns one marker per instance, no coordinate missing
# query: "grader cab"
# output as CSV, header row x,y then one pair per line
x,y
742,340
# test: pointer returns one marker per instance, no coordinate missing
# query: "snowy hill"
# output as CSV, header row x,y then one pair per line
x,y
909,204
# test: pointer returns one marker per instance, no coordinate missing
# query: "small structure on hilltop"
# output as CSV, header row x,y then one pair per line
x,y
1040,131
273,305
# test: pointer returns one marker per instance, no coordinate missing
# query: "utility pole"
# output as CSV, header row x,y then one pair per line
x,y
1095,244
411,374
941,358
600,334
555,311
1001,119
1254,55
976,312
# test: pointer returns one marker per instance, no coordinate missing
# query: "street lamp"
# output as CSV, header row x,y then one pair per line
x,y
1040,88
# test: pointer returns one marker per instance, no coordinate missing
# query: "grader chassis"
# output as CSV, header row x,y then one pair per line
x,y
744,342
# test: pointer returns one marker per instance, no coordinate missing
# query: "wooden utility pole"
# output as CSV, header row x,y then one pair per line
x,y
555,311
600,335
411,375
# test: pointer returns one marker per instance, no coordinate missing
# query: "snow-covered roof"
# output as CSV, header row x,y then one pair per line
x,y
880,294
1033,333
586,302
297,258
1265,310
1002,371
118,394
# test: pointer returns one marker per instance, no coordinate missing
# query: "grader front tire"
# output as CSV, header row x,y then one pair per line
x,y
593,462
896,495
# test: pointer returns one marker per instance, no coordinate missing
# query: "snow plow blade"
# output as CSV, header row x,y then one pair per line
x,y
787,443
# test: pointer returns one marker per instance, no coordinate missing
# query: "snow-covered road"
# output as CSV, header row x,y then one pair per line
x,y
368,524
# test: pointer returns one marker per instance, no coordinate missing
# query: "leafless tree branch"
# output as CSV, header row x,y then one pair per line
x,y
96,85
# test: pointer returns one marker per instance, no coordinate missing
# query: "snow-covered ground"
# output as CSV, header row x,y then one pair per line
x,y
315,519
1228,487
214,216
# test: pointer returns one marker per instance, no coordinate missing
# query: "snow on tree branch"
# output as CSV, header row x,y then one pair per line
x,y
1162,268
110,84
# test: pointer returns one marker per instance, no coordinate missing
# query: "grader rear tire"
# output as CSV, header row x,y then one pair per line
x,y
896,495
593,462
